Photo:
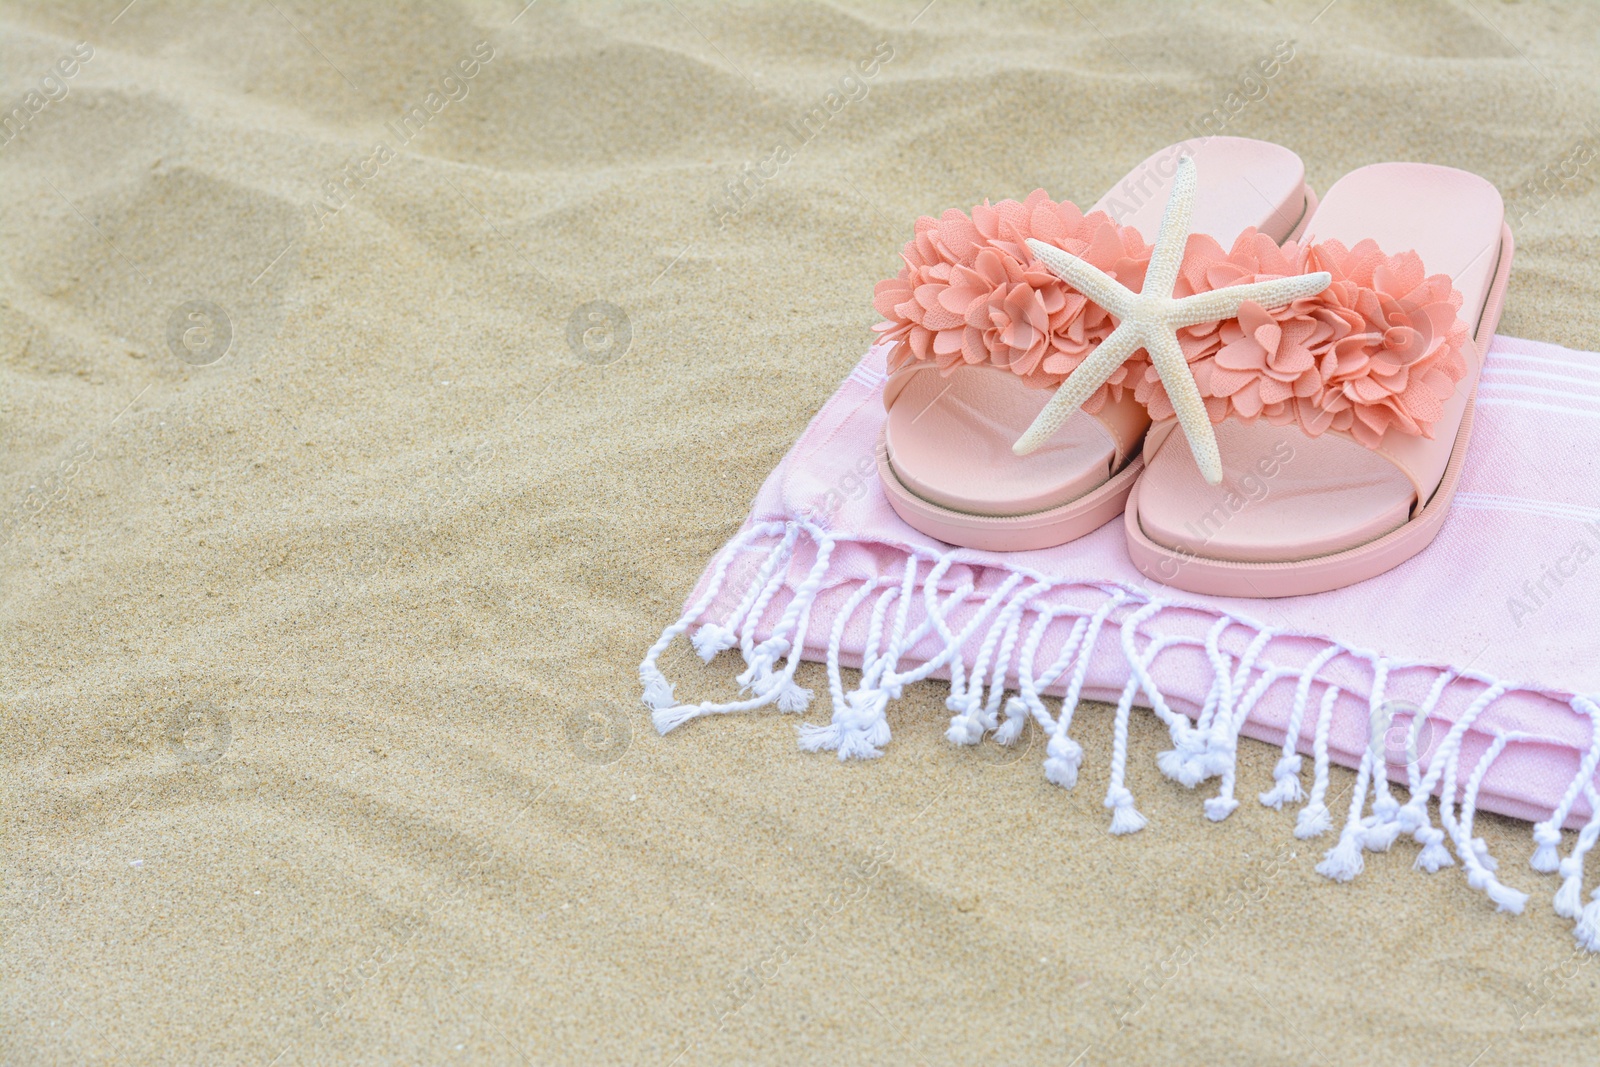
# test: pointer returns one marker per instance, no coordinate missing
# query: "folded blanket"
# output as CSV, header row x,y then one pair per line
x,y
1459,674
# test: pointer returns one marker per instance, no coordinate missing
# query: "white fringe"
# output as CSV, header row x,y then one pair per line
x,y
1022,608
1286,775
1315,819
1547,834
1474,851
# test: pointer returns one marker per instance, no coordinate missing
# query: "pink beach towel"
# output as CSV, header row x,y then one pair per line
x,y
1460,674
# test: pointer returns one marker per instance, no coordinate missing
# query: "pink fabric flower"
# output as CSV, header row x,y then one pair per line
x,y
1381,347
971,292
1396,354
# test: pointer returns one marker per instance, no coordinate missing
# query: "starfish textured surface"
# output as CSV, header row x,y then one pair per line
x,y
1150,319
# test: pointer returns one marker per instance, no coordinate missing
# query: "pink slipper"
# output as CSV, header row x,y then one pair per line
x,y
976,305
1342,419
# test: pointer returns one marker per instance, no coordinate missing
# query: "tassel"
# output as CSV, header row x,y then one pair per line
x,y
1186,763
1588,928
1434,856
793,699
1545,857
1063,758
711,639
657,690
1382,829
1315,819
1568,902
1219,808
1125,818
667,720
1505,898
1016,719
767,653
1286,784
1343,861
857,733
966,728
1480,848
1218,757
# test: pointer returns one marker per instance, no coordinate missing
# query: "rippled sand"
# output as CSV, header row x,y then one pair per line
x,y
357,444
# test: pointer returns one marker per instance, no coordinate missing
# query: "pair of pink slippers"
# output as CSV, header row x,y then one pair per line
x,y
1048,367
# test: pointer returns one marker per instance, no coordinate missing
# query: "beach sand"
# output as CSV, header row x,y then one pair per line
x,y
337,522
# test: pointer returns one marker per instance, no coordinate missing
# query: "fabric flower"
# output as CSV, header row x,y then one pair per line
x,y
971,292
1380,348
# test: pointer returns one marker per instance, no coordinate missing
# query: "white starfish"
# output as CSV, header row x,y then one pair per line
x,y
1150,319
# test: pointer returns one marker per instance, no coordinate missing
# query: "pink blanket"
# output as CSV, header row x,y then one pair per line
x,y
1460,674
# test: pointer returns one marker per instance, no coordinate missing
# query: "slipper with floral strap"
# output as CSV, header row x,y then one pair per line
x,y
984,333
1341,419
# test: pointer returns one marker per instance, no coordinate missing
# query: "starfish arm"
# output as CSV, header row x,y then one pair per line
x,y
1088,279
1162,275
1224,303
1167,355
1079,386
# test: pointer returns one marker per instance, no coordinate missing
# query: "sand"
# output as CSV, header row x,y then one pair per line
x,y
331,546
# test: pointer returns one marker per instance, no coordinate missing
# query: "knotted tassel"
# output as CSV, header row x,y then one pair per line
x,y
1434,856
1382,828
667,720
1286,784
1125,818
1063,757
1546,858
966,726
1505,898
657,690
1016,718
711,639
857,732
1187,762
792,698
1568,902
1315,819
1219,808
1343,861
1587,931
757,676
